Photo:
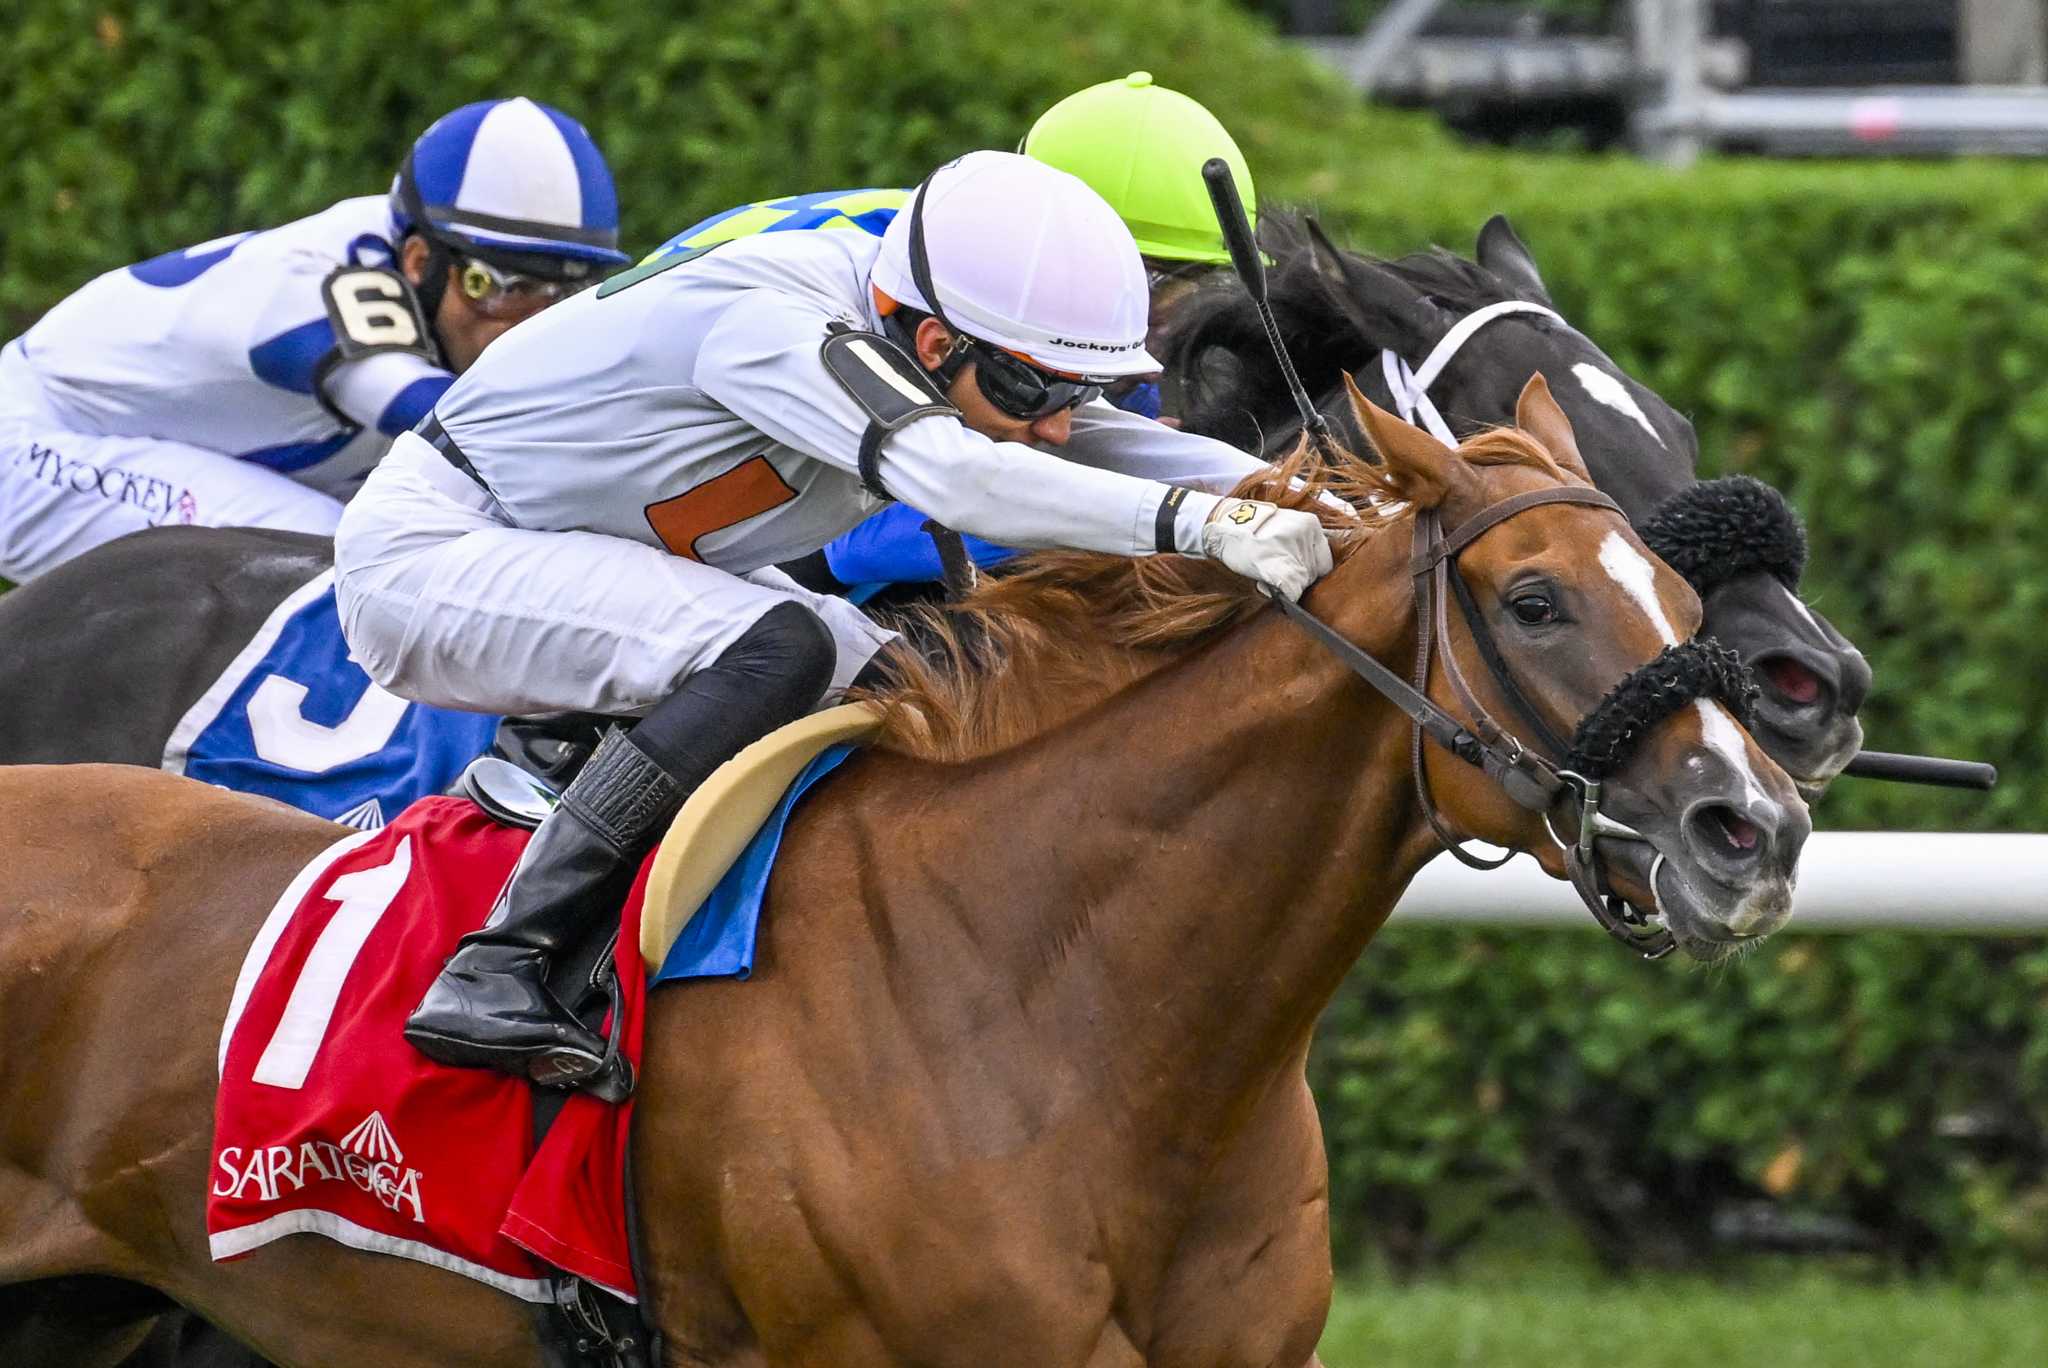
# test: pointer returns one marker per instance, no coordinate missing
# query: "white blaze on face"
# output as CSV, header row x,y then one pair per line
x,y
1723,736
1608,390
1630,569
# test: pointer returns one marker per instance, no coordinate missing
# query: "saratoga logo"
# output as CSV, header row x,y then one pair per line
x,y
368,1156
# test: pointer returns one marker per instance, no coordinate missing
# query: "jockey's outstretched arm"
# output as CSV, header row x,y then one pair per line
x,y
893,546
760,362
1117,439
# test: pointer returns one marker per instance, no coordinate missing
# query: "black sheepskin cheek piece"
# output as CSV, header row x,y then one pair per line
x,y
1700,668
1721,529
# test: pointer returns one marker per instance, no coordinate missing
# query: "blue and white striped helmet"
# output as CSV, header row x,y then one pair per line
x,y
509,176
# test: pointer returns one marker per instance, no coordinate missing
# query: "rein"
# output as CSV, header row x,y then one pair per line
x,y
1653,691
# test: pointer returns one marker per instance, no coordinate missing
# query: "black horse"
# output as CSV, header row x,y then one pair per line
x,y
1380,321
101,658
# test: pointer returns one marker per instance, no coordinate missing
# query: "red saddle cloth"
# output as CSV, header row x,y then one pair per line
x,y
328,1122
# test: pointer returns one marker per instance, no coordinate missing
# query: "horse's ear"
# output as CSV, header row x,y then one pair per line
x,y
1501,252
1537,414
1420,469
1386,309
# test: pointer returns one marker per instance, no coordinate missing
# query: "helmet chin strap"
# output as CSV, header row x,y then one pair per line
x,y
921,276
432,286
433,282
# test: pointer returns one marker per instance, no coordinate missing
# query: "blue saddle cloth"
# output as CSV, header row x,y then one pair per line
x,y
293,718
718,940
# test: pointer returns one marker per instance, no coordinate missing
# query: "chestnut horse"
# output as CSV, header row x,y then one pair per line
x,y
1019,1075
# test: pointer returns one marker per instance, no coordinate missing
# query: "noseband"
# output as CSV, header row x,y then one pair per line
x,y
1717,530
1602,743
1410,388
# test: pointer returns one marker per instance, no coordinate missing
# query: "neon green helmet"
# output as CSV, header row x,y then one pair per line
x,y
1141,147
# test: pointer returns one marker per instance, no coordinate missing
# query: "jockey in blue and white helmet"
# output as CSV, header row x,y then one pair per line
x,y
511,202
255,379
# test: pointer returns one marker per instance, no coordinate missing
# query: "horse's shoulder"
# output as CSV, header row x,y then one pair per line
x,y
119,820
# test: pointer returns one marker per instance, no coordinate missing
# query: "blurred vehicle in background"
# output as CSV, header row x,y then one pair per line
x,y
1674,77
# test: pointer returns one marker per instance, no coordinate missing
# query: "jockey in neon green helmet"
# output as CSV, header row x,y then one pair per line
x,y
1138,145
1141,147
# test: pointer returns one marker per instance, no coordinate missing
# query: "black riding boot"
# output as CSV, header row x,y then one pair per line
x,y
491,1007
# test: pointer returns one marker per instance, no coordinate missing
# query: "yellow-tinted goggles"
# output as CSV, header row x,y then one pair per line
x,y
496,293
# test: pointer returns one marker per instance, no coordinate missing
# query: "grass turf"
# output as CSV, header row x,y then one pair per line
x,y
1780,1315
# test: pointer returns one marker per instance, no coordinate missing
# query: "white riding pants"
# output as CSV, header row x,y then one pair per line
x,y
64,492
443,602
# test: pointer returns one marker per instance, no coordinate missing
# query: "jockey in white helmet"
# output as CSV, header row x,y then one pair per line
x,y
590,518
253,380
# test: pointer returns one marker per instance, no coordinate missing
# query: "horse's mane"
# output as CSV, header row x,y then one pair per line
x,y
1059,631
1217,348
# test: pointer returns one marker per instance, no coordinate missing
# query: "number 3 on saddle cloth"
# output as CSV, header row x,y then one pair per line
x,y
327,1122
293,718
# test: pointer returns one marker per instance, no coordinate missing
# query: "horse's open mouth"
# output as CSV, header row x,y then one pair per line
x,y
1801,723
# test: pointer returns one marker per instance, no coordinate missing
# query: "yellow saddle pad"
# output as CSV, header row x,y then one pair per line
x,y
721,817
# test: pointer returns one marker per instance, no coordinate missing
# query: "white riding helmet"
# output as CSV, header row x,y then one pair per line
x,y
1027,258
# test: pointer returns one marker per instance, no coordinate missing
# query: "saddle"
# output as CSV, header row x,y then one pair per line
x,y
707,837
551,749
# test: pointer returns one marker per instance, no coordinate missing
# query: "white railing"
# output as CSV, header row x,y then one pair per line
x,y
1848,880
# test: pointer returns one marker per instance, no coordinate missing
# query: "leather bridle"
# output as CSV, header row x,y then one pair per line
x,y
1533,781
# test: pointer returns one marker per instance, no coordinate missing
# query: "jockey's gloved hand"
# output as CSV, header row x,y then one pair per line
x,y
1283,547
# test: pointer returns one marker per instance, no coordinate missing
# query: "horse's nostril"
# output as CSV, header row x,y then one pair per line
x,y
1855,681
1742,835
1793,680
1726,832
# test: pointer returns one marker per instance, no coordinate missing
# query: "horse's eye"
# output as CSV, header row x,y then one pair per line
x,y
1532,610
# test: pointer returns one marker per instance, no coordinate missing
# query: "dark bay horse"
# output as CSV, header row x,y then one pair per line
x,y
1019,1074
1340,312
101,658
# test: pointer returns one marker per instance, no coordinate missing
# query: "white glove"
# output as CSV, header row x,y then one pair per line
x,y
1283,547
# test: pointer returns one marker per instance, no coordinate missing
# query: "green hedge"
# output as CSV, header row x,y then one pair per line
x,y
1873,338
128,126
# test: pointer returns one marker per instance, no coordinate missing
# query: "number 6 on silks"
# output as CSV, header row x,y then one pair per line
x,y
372,309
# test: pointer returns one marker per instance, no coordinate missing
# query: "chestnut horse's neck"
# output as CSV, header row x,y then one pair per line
x,y
1184,875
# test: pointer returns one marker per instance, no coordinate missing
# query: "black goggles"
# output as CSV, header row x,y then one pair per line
x,y
1012,384
1017,387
